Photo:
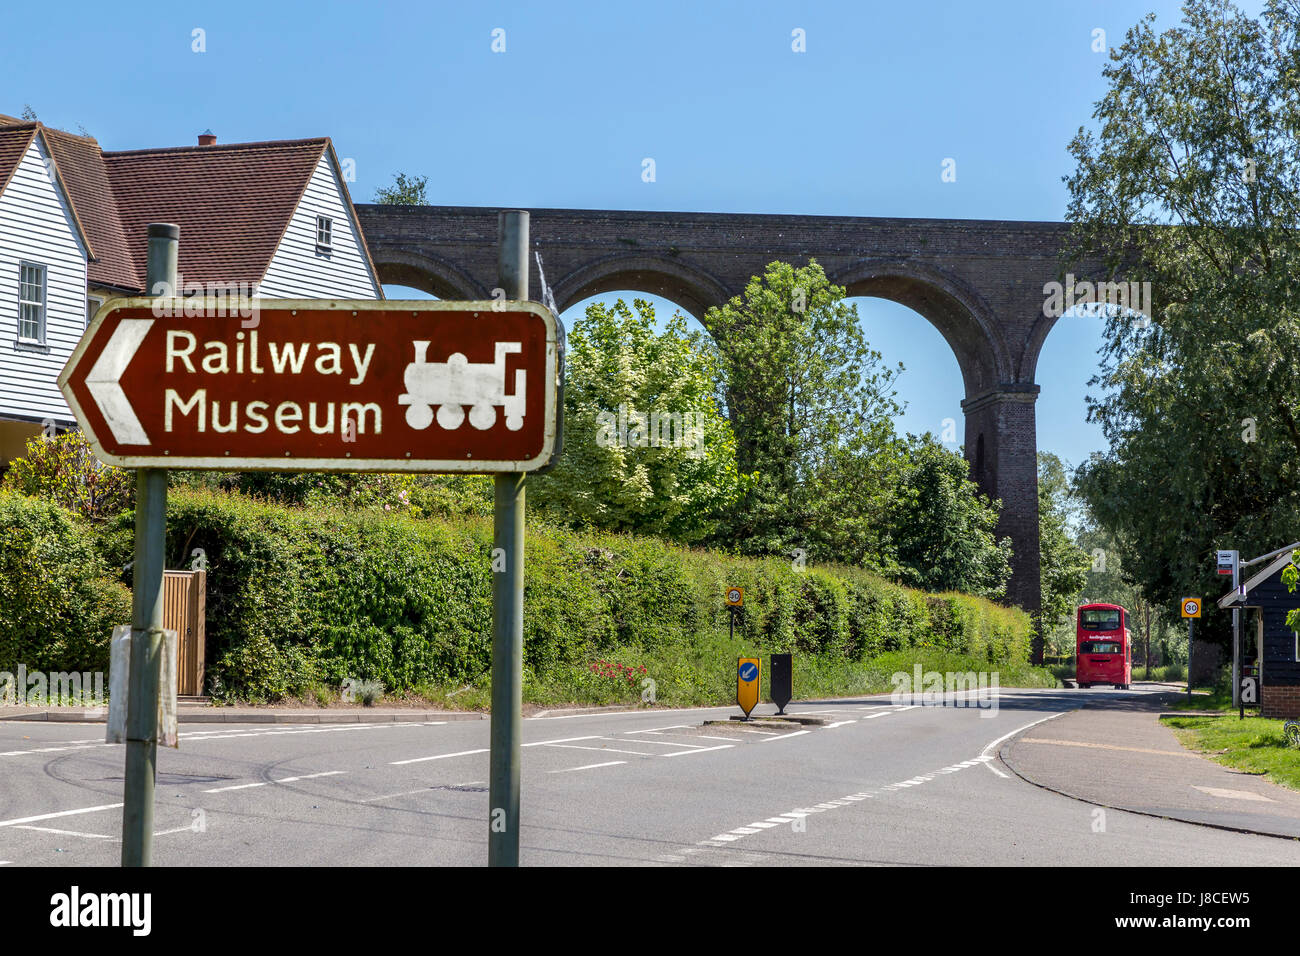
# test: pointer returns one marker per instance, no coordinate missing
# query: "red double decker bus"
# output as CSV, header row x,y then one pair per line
x,y
1104,651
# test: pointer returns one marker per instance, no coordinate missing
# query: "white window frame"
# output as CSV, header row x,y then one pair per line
x,y
324,234
43,271
93,304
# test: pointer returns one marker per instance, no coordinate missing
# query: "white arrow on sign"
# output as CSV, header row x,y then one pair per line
x,y
104,381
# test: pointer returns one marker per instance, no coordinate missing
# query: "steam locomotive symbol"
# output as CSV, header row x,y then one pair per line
x,y
450,385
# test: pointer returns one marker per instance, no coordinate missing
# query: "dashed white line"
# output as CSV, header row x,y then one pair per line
x,y
797,733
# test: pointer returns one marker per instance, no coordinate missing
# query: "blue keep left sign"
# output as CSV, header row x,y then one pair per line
x,y
748,671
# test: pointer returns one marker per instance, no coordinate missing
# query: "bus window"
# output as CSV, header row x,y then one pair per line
x,y
1100,619
1099,647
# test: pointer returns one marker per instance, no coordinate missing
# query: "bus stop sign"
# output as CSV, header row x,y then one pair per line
x,y
319,385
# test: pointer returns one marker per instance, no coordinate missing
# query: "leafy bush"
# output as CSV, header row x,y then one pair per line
x,y
297,597
58,604
63,469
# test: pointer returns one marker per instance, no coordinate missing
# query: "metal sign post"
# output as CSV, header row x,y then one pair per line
x,y
508,596
1190,607
325,385
1229,562
146,613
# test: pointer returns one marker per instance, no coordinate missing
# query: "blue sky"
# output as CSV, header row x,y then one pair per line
x,y
859,124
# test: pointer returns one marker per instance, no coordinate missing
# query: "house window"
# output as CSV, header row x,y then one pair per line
x,y
324,234
31,303
92,306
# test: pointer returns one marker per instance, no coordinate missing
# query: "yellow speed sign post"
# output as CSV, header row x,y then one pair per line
x,y
735,601
1191,609
747,673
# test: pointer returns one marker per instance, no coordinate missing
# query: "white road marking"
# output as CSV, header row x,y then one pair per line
x,y
310,776
987,758
77,833
590,766
612,750
659,743
702,750
562,740
656,730
460,753
797,733
60,813
238,786
839,723
765,824
407,793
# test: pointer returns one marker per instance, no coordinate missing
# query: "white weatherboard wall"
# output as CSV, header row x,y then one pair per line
x,y
298,271
36,226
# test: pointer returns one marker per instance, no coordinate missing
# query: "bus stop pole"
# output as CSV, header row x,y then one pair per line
x,y
507,595
1236,632
146,611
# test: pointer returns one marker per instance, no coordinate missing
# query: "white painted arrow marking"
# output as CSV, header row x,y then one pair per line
x,y
104,381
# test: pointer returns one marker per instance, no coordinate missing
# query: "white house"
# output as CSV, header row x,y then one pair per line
x,y
273,217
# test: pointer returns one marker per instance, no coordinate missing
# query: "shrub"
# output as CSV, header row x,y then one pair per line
x,y
58,603
64,470
300,596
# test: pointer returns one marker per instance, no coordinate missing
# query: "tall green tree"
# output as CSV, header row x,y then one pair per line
x,y
809,402
941,530
646,446
1190,182
1063,565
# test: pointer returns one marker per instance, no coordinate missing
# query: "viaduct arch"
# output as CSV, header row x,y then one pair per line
x,y
980,282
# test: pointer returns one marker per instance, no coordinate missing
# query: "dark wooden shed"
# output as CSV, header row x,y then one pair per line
x,y
1267,640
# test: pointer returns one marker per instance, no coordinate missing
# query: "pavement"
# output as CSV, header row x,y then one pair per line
x,y
1115,753
875,783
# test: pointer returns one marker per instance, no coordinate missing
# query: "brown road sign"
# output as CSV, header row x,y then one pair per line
x,y
318,385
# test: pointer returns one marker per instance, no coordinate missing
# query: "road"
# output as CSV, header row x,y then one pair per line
x,y
879,784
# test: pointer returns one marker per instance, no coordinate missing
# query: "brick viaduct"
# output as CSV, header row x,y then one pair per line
x,y
979,282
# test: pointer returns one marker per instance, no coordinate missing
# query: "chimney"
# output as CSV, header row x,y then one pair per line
x,y
207,138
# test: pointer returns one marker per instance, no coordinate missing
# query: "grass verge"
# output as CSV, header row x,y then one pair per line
x,y
1254,745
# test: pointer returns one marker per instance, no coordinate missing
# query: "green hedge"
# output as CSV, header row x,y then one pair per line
x,y
58,603
299,596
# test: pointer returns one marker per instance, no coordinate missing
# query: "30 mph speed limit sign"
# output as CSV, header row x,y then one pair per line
x,y
735,597
1191,607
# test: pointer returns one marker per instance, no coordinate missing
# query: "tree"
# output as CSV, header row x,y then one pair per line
x,y
646,447
941,529
809,401
1189,183
1063,565
405,191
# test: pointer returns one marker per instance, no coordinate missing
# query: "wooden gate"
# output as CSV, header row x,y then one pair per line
x,y
184,605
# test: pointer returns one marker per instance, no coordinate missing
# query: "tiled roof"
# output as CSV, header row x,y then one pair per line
x,y
81,166
14,141
232,203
